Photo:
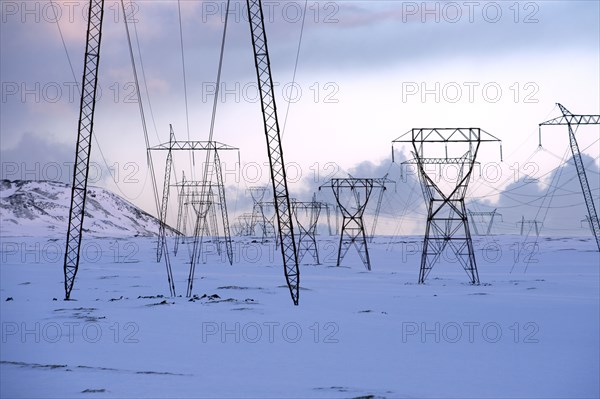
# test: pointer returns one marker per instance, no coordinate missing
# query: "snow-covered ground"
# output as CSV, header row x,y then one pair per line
x,y
532,333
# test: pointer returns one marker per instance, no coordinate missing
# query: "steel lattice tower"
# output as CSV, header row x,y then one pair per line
x,y
212,147
162,217
447,221
536,224
181,214
188,195
275,150
84,143
571,120
188,188
244,224
201,208
353,227
258,213
492,216
307,217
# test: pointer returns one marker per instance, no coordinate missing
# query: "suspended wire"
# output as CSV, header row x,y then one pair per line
x,y
287,111
187,115
198,227
144,80
558,175
216,99
142,115
535,152
96,140
538,181
474,189
549,195
405,210
64,45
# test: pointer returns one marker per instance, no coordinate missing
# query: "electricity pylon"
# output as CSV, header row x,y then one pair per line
x,y
491,214
84,143
189,195
307,217
536,224
353,226
571,120
447,221
244,224
182,210
201,208
162,217
213,147
275,150
258,213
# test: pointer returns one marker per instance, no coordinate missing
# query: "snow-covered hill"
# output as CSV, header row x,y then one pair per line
x,y
41,208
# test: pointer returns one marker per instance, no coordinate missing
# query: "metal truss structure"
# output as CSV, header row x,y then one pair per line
x,y
182,214
382,182
353,226
536,224
190,196
243,225
307,217
84,143
493,214
202,209
271,126
258,213
447,222
572,122
162,217
213,148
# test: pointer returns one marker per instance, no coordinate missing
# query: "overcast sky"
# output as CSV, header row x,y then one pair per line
x,y
367,72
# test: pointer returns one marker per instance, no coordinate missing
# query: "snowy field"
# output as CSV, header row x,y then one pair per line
x,y
529,330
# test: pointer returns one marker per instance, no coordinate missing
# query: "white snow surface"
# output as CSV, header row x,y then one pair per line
x,y
41,208
529,330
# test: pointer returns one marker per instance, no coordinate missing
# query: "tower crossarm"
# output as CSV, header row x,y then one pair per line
x,y
194,145
568,118
573,120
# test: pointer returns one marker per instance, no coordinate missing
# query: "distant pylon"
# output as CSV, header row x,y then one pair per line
x,y
258,215
536,224
353,227
492,215
307,217
211,147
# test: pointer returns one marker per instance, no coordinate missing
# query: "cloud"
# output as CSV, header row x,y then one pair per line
x,y
36,157
555,200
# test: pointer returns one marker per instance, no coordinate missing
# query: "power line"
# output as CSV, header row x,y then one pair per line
x,y
187,117
287,111
95,137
